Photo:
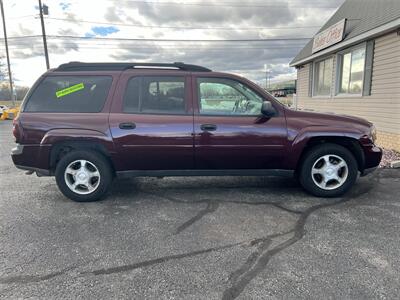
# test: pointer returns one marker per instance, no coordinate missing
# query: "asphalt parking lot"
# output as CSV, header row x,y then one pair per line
x,y
198,238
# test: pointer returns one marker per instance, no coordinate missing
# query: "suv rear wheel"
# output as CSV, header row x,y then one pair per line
x,y
83,176
328,170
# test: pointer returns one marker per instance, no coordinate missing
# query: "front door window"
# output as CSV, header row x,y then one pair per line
x,y
227,97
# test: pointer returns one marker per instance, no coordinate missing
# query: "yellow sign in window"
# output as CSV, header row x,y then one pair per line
x,y
70,90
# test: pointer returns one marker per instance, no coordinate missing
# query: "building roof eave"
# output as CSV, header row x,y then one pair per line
x,y
390,26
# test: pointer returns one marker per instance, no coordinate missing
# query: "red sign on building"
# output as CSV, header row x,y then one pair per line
x,y
329,36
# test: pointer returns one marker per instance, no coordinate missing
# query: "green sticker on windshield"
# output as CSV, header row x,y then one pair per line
x,y
70,90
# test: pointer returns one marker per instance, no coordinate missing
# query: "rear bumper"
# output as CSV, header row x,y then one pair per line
x,y
39,172
17,150
32,158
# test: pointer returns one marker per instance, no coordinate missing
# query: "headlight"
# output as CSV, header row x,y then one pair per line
x,y
373,133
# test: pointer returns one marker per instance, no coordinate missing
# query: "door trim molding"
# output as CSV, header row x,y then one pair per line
x,y
159,146
250,146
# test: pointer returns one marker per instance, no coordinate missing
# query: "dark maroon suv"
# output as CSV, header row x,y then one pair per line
x,y
86,123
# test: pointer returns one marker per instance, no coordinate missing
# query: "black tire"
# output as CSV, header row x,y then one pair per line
x,y
312,156
95,158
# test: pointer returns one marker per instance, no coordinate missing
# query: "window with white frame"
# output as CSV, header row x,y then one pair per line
x,y
323,77
351,71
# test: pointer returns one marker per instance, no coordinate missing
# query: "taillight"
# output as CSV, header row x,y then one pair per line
x,y
16,130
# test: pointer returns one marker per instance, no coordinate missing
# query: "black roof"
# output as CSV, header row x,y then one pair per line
x,y
81,66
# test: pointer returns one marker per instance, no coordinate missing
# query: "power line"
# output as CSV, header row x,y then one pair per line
x,y
24,37
135,44
180,40
184,51
117,46
26,44
178,27
21,17
159,48
19,44
227,4
164,40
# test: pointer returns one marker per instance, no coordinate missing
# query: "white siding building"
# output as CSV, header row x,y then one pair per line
x,y
360,74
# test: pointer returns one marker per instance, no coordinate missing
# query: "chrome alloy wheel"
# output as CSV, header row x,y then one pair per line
x,y
329,172
82,177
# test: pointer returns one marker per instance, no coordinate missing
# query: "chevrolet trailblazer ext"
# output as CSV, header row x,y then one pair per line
x,y
86,123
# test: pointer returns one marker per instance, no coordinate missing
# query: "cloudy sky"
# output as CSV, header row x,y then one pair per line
x,y
230,35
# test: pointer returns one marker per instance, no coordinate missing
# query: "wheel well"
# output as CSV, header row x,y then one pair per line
x,y
62,148
349,143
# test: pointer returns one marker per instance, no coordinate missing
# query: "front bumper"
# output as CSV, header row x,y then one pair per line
x,y
373,156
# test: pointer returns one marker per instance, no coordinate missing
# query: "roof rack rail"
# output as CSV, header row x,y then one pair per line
x,y
81,66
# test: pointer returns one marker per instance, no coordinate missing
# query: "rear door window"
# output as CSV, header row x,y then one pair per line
x,y
155,95
70,94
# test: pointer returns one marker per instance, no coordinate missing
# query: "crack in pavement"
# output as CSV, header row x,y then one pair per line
x,y
29,262
240,278
38,278
32,278
273,203
257,261
147,263
211,207
263,244
287,209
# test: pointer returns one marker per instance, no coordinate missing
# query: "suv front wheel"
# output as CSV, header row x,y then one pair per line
x,y
328,170
83,176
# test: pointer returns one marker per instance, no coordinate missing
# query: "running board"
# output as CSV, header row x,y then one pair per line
x,y
225,172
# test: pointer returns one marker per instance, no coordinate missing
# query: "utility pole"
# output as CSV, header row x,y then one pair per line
x,y
267,71
46,54
7,54
267,79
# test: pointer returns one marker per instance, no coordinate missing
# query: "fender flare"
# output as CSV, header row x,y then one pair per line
x,y
55,135
56,139
298,144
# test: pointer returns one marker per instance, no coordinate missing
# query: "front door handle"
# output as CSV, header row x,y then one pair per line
x,y
127,125
208,127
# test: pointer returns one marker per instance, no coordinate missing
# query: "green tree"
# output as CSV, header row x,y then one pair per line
x,y
4,84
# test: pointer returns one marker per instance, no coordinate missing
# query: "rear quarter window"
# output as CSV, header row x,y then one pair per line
x,y
72,94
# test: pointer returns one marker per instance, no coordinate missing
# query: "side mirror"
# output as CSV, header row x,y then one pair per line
x,y
267,109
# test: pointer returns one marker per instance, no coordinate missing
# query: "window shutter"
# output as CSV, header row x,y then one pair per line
x,y
369,58
310,79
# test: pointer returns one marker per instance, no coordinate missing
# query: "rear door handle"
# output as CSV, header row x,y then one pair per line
x,y
127,125
208,127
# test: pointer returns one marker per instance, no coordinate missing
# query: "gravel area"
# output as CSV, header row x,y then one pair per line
x,y
389,156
